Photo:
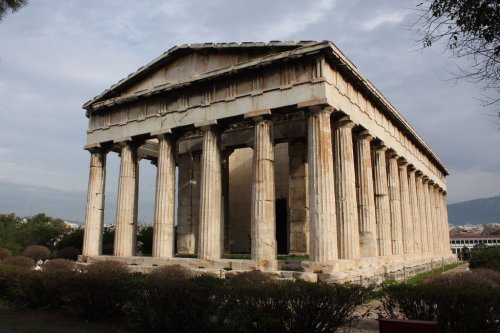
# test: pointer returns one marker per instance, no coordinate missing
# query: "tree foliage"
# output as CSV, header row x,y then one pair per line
x,y
11,5
471,30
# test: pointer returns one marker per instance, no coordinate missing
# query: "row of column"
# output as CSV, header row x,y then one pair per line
x,y
364,200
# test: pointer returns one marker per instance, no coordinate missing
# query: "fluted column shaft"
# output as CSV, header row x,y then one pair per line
x,y
395,204
382,210
406,216
163,227
434,225
345,184
126,210
188,210
428,216
263,219
211,226
445,222
298,197
323,233
94,218
438,232
422,205
365,196
415,212
440,218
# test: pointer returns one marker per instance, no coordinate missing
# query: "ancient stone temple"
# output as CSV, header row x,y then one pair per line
x,y
271,148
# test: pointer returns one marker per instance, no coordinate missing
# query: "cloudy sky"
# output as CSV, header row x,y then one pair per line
x,y
57,54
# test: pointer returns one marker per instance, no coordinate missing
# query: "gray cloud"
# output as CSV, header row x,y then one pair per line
x,y
56,55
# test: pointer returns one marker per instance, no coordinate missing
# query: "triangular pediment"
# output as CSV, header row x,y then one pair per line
x,y
189,61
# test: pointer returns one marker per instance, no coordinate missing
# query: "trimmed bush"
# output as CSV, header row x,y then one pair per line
x,y
37,252
287,306
19,261
5,253
251,276
59,265
108,267
102,291
488,258
69,252
170,301
461,303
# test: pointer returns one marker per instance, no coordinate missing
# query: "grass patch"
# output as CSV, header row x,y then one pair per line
x,y
239,256
419,278
293,257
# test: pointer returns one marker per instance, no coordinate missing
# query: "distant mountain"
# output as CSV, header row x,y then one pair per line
x,y
478,211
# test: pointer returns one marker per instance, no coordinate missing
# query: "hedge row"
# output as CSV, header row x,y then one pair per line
x,y
172,300
467,302
488,257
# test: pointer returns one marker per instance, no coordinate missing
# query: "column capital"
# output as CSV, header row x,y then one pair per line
x,y
391,153
380,146
363,135
411,169
258,115
403,163
320,109
163,134
207,125
344,121
98,148
425,179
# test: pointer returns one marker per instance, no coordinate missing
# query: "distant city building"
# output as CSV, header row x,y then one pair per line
x,y
460,241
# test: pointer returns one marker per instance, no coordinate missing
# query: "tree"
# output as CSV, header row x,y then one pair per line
x,y
471,30
12,5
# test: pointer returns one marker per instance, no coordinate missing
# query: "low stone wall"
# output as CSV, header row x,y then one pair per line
x,y
363,271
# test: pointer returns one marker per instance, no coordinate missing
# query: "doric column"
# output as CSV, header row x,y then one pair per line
x,y
298,197
94,218
211,226
406,215
422,206
365,196
163,227
415,211
126,210
225,197
323,233
433,227
438,233
345,184
445,222
440,212
188,210
382,210
263,218
428,215
395,203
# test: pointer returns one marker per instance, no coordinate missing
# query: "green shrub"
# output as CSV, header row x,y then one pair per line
x,y
488,258
461,303
19,261
59,265
68,252
37,252
5,253
100,292
251,276
171,301
107,267
21,286
287,306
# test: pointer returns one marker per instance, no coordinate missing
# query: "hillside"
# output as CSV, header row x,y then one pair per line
x,y
478,211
